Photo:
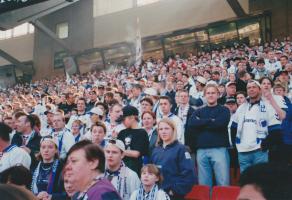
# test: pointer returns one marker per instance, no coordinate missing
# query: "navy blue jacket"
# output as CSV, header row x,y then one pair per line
x,y
210,126
176,166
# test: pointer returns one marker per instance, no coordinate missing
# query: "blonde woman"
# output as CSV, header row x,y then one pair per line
x,y
173,160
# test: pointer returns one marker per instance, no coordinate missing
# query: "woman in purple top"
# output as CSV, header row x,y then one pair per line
x,y
85,166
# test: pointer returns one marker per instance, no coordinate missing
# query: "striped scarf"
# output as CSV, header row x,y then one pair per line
x,y
142,195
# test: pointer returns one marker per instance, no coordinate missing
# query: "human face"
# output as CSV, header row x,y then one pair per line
x,y
94,118
145,106
164,106
211,96
10,123
136,92
68,185
97,134
58,122
232,107
80,170
279,91
128,121
148,121
179,85
80,105
113,156
116,112
240,99
184,98
253,91
75,128
148,179
165,132
50,118
21,124
250,192
266,85
231,90
48,150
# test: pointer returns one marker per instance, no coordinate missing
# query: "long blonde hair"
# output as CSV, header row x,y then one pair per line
x,y
172,125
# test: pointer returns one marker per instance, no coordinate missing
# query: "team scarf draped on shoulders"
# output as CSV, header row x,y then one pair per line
x,y
261,119
152,195
52,176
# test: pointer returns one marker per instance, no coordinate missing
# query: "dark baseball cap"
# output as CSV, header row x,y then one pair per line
x,y
230,100
128,111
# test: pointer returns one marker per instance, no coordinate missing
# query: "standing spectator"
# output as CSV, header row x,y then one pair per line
x,y
11,154
98,132
26,137
253,122
81,114
230,92
92,100
148,122
135,139
125,180
61,134
165,112
112,126
240,98
85,166
46,181
76,129
210,125
184,112
174,161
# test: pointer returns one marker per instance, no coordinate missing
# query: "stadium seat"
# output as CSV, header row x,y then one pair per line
x,y
199,192
225,192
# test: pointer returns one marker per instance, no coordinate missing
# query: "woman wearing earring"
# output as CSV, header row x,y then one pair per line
x,y
46,181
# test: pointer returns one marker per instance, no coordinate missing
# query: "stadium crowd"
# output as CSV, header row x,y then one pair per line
x,y
150,131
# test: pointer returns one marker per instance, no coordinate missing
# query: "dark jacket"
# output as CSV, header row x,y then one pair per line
x,y
176,166
58,190
189,138
33,144
152,141
210,126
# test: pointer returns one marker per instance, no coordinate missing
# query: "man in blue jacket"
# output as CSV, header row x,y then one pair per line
x,y
209,124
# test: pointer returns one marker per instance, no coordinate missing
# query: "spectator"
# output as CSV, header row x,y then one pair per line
x,y
149,122
17,175
98,133
26,137
253,121
173,161
46,181
85,166
125,180
62,135
13,192
11,154
149,189
135,139
165,112
210,125
266,182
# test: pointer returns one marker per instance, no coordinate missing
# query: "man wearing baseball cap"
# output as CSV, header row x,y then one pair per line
x,y
123,178
135,139
254,128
